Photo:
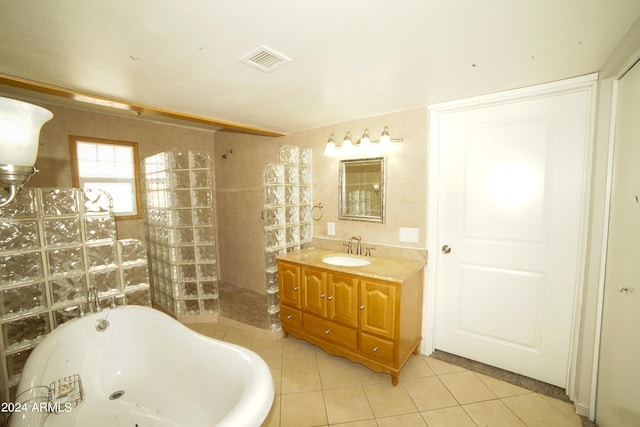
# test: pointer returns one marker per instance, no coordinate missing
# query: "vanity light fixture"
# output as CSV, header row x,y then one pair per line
x,y
365,141
330,148
347,144
385,138
364,147
20,124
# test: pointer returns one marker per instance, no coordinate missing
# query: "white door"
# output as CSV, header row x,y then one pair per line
x,y
511,195
618,398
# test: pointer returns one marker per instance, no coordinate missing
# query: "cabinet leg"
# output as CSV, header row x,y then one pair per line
x,y
394,380
417,349
285,334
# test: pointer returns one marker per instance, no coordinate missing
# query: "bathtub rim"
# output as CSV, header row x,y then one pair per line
x,y
246,408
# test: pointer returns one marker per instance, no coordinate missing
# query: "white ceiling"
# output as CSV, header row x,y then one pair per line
x,y
350,58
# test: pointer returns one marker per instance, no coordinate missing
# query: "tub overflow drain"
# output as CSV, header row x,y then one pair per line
x,y
116,395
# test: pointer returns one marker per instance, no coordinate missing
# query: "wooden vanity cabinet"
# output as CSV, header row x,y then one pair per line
x,y
314,292
366,320
343,299
289,285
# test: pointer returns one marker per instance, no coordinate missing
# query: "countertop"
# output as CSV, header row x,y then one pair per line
x,y
382,268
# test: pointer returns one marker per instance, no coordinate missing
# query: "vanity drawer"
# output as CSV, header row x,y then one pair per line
x,y
290,317
331,331
376,348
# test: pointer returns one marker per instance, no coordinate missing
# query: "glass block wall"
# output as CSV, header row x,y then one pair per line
x,y
55,243
179,227
287,215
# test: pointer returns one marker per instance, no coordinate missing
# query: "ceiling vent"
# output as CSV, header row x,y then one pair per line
x,y
265,59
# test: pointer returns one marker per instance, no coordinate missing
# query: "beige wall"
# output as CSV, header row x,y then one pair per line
x,y
239,190
239,206
239,177
53,155
406,173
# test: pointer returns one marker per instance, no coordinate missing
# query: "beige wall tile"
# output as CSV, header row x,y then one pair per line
x,y
152,138
238,178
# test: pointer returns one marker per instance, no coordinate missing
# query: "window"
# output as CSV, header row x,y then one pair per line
x,y
110,166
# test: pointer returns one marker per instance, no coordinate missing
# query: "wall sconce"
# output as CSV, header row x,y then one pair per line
x,y
364,147
20,124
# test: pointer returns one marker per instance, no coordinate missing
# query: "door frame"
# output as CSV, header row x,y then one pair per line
x,y
434,217
613,109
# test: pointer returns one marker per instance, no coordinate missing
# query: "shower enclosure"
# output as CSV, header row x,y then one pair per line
x,y
179,228
287,215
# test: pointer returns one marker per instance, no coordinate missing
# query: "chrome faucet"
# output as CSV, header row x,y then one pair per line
x,y
94,298
358,240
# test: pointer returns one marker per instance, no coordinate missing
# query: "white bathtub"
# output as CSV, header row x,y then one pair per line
x,y
143,369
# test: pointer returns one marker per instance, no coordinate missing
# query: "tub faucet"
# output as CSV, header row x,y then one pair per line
x,y
358,240
94,298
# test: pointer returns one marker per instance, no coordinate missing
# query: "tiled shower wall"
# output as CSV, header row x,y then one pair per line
x,y
56,243
179,226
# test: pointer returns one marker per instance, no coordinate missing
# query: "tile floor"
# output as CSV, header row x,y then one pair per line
x,y
243,305
314,388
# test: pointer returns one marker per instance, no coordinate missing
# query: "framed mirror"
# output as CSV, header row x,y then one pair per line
x,y
361,193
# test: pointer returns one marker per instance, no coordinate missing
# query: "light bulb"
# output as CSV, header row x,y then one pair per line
x,y
385,138
365,142
347,145
330,148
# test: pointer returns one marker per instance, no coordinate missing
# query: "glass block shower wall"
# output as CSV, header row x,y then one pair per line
x,y
179,227
56,243
287,215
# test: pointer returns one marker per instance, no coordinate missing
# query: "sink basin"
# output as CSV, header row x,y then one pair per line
x,y
345,261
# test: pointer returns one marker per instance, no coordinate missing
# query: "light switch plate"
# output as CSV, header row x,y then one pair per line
x,y
409,234
331,229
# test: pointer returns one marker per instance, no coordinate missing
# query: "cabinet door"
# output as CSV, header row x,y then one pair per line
x,y
289,284
342,299
378,308
314,291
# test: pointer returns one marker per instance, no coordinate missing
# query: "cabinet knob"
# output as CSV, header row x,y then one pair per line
x,y
375,349
321,295
330,297
362,307
296,288
326,331
289,316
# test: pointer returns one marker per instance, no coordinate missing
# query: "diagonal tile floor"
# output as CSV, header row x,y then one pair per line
x,y
314,388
